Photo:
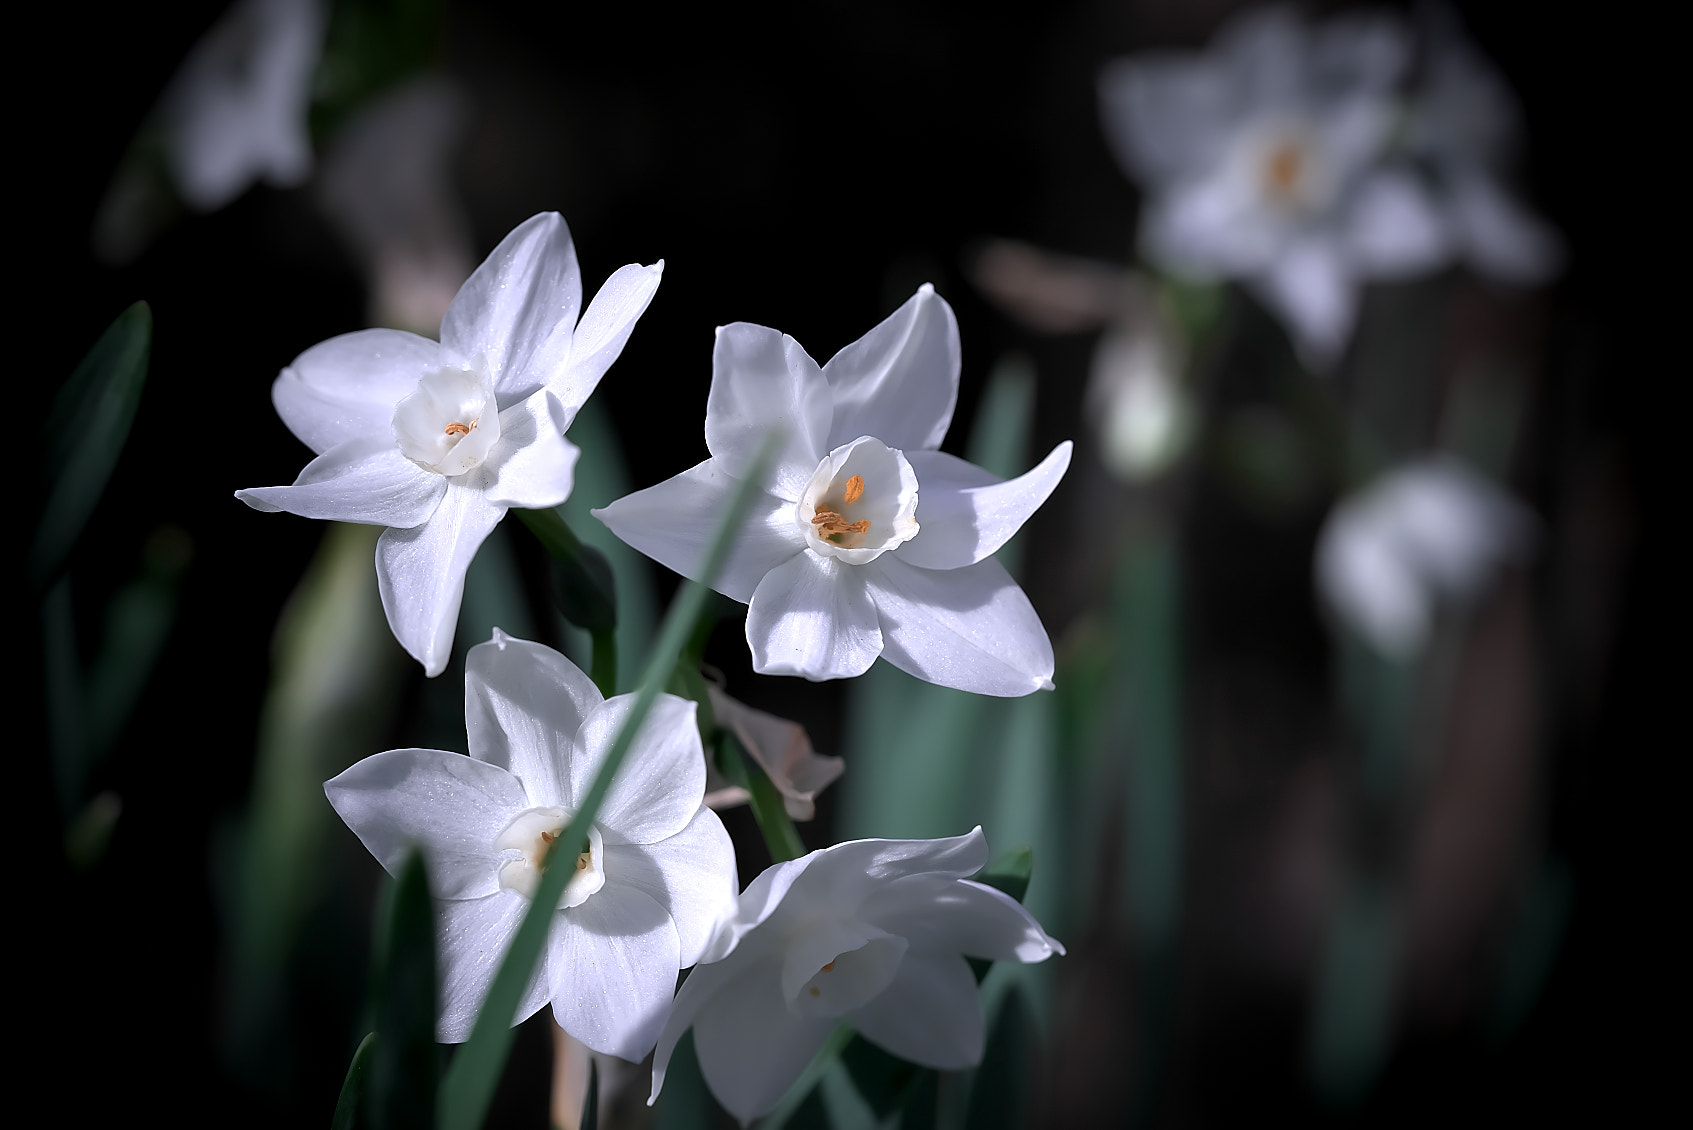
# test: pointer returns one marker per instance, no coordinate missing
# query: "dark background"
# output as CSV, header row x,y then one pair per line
x,y
804,167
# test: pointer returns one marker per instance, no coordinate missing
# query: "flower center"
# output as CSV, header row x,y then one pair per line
x,y
860,503
835,967
528,841
449,423
1283,170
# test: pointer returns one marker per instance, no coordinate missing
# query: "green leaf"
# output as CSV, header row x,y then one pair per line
x,y
1010,872
684,1104
346,1115
591,1101
768,808
999,1097
86,430
406,1062
475,1071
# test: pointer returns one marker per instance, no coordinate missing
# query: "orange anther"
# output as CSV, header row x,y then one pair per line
x,y
854,489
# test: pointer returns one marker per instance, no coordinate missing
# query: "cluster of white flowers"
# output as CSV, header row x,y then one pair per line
x,y
840,562
1307,159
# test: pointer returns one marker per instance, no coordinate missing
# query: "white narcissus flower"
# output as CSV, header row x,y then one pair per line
x,y
1262,160
656,880
873,933
1466,125
1429,530
236,111
863,539
437,440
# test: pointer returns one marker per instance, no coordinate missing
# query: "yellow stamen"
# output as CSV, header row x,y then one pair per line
x,y
582,862
457,429
828,967
854,489
1282,170
831,525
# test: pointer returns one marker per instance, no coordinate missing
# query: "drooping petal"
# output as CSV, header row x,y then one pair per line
x,y
782,749
928,1015
346,387
658,789
969,628
514,316
446,805
674,522
1393,229
938,914
1167,116
420,572
614,971
762,382
1311,290
691,875
899,382
750,1047
363,480
471,938
523,703
604,330
534,466
965,514
706,982
813,616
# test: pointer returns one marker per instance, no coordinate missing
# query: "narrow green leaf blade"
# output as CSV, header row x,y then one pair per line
x,y
86,430
469,1085
406,1063
346,1114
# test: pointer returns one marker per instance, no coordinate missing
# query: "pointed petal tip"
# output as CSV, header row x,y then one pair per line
x,y
247,495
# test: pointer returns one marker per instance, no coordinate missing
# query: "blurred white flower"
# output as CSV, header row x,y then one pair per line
x,y
437,440
783,751
386,184
1262,160
839,560
871,932
1466,126
1429,530
236,111
657,878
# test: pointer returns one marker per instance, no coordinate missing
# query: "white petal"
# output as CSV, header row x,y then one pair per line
x,y
420,572
514,316
363,480
813,616
347,387
1166,115
674,522
899,382
763,382
604,330
782,749
471,940
691,874
928,1015
661,783
1311,290
1501,237
523,703
837,880
938,914
533,466
615,971
750,1047
969,628
964,514
446,805
1211,226
1393,229
696,993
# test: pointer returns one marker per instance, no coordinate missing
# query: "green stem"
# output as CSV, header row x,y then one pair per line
x,y
555,536
780,835
603,666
